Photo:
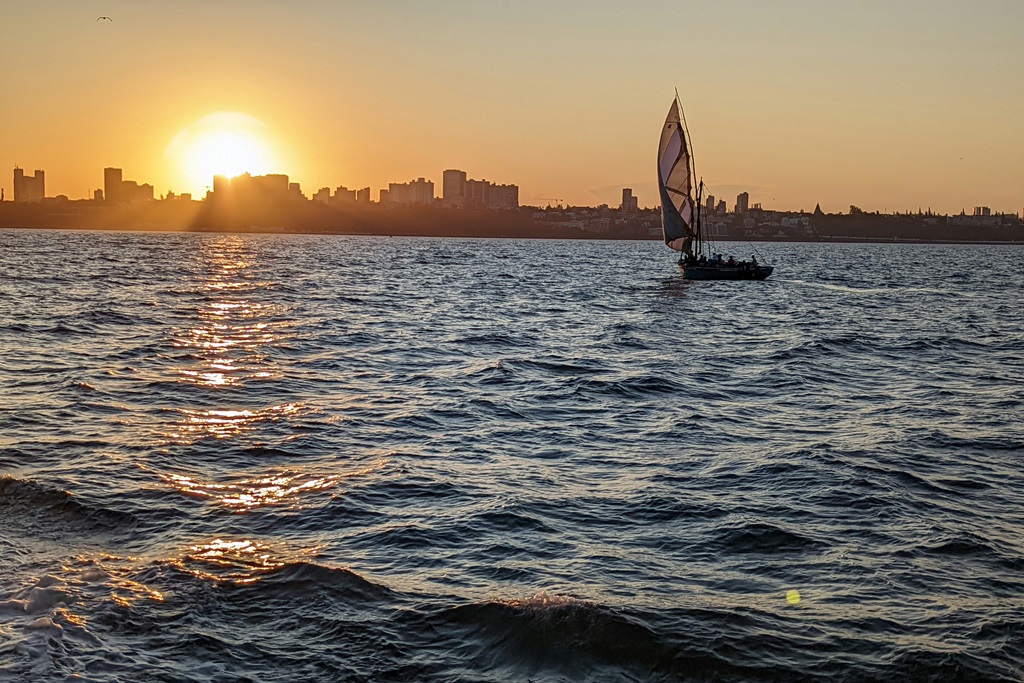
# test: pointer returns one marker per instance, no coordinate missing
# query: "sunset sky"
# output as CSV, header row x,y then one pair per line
x,y
889,105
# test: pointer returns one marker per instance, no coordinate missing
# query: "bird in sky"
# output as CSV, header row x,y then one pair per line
x,y
107,18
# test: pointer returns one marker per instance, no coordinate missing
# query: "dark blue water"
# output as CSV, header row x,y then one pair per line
x,y
284,458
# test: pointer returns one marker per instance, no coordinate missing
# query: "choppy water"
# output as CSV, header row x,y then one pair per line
x,y
282,458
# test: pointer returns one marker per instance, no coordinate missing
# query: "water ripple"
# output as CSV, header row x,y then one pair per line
x,y
277,458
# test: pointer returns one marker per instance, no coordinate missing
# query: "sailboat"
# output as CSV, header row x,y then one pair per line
x,y
680,214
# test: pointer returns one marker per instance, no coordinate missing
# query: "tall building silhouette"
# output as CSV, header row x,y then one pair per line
x,y
29,188
112,180
742,202
453,188
419,191
273,187
343,195
629,202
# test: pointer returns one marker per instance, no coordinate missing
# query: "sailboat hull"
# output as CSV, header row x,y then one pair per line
x,y
697,272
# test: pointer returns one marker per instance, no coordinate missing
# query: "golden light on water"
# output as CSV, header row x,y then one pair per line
x,y
224,423
107,573
288,488
281,489
229,553
228,340
226,347
239,561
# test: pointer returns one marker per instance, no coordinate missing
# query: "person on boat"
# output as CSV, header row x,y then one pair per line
x,y
753,260
731,262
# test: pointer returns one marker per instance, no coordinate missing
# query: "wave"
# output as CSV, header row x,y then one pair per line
x,y
761,538
495,339
551,634
635,387
39,509
825,347
662,509
679,455
106,317
307,579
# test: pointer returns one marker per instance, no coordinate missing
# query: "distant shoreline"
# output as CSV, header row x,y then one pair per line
x,y
526,222
457,235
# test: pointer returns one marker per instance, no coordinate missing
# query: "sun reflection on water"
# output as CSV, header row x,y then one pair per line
x,y
290,489
235,330
253,493
104,576
239,561
195,425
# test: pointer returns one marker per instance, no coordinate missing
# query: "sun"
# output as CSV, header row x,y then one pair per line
x,y
225,143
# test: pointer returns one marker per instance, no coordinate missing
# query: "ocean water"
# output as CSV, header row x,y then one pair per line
x,y
328,458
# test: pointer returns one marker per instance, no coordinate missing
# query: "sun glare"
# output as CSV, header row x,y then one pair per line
x,y
221,144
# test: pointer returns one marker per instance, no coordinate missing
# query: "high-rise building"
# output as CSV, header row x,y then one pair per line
x,y
247,188
117,190
453,188
507,197
322,196
629,202
112,179
419,191
709,204
742,202
363,196
398,193
422,191
29,188
721,207
478,193
132,192
343,195
221,183
483,194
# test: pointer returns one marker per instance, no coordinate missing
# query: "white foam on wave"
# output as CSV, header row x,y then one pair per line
x,y
46,623
42,599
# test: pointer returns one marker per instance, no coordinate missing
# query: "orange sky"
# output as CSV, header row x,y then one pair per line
x,y
886,105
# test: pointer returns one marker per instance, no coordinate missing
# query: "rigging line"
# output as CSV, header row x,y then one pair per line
x,y
757,252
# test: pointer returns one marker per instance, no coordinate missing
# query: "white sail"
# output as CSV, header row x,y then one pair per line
x,y
675,182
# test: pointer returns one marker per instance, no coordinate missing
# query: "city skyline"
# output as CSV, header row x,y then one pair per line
x,y
457,191
884,107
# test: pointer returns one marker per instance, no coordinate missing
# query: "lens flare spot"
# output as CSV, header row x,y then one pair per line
x,y
793,597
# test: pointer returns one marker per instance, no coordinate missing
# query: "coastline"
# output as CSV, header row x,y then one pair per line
x,y
589,237
575,223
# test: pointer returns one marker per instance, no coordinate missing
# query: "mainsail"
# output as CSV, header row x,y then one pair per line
x,y
675,181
